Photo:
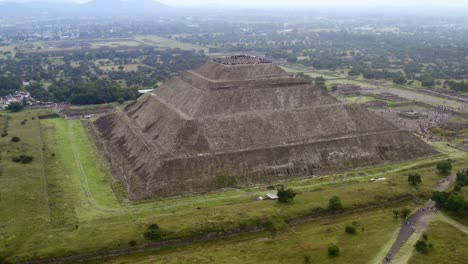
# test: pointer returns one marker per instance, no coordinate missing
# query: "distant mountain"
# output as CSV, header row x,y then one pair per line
x,y
123,7
13,9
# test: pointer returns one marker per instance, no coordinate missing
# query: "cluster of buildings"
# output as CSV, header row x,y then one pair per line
x,y
18,97
39,35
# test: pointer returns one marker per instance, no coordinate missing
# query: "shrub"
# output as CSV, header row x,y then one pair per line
x,y
334,203
15,139
414,179
153,232
4,134
285,196
14,107
120,100
405,213
444,166
333,250
349,229
132,243
23,159
422,247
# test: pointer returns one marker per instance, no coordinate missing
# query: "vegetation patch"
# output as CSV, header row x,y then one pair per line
x,y
22,159
448,245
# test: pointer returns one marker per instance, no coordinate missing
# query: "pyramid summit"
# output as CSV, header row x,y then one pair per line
x,y
241,121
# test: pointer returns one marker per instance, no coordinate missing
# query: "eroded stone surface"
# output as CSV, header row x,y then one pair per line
x,y
243,124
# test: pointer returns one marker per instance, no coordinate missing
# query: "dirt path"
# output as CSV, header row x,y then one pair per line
x,y
417,221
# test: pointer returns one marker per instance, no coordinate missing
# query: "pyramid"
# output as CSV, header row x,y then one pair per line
x,y
241,121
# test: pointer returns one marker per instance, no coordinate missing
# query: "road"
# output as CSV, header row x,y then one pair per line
x,y
417,221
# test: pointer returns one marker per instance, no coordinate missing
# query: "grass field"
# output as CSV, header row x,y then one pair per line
x,y
140,40
364,99
294,245
449,244
162,42
54,205
127,67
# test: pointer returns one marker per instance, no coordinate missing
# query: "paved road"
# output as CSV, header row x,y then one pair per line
x,y
417,221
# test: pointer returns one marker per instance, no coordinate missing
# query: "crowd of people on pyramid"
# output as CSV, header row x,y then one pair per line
x,y
424,122
241,59
441,114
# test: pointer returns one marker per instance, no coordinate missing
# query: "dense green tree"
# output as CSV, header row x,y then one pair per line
x,y
422,247
455,203
285,195
414,179
444,166
334,203
349,229
153,232
292,59
400,79
333,250
320,82
405,213
15,107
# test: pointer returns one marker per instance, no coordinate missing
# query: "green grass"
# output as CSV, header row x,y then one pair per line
x,y
449,245
46,212
162,42
127,67
364,99
464,192
93,107
352,82
375,228
23,200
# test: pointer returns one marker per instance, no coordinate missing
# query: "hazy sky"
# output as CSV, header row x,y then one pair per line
x,y
292,3
295,3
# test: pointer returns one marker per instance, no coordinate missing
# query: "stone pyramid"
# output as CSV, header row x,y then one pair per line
x,y
241,121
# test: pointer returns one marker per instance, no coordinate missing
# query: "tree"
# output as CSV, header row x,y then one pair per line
x,y
440,197
14,107
305,76
285,196
405,213
22,159
349,229
292,59
334,203
153,232
421,246
444,166
333,250
320,82
15,139
454,203
399,79
414,179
